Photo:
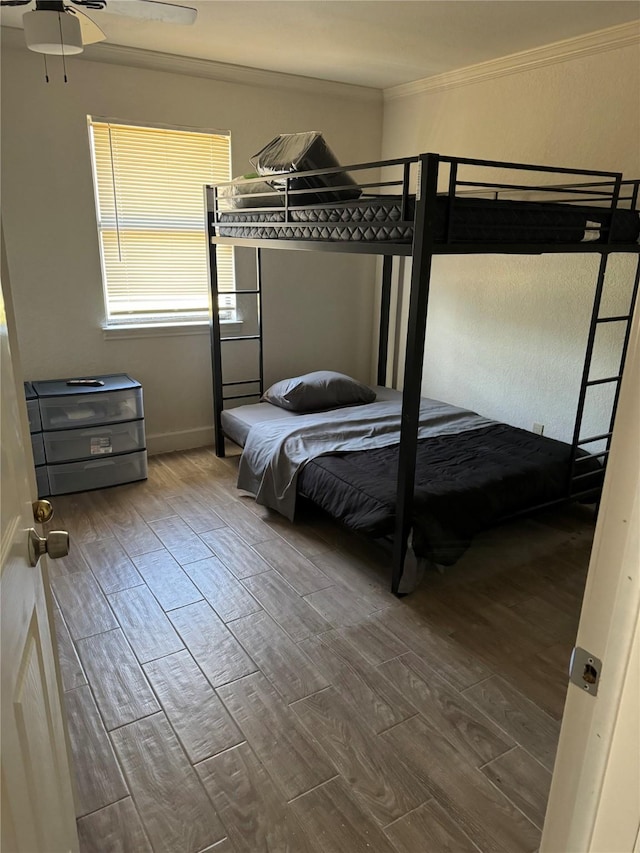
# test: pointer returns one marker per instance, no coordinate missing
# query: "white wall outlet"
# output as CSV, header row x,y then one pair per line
x,y
538,429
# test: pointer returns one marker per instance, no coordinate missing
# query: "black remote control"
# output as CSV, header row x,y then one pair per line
x,y
89,383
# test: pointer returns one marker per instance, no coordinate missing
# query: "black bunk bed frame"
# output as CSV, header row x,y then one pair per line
x,y
607,190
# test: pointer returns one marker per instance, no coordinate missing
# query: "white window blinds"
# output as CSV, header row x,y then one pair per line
x,y
151,220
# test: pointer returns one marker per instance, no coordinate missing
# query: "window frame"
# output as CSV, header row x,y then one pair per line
x,y
150,324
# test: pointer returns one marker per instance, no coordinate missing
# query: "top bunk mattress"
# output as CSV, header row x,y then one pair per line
x,y
473,220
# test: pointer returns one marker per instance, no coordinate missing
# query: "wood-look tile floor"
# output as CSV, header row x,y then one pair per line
x,y
238,684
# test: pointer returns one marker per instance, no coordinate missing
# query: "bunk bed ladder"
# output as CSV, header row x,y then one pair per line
x,y
578,485
218,340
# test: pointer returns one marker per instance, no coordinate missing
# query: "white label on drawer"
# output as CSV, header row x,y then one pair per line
x,y
101,444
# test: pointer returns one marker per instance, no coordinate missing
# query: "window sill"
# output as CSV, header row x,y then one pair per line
x,y
163,330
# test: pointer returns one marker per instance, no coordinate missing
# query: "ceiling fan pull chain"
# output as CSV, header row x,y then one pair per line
x,y
46,70
64,64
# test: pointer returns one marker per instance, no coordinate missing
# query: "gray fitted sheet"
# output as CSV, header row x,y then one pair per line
x,y
237,422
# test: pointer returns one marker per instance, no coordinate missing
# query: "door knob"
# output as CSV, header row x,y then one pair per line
x,y
42,511
56,545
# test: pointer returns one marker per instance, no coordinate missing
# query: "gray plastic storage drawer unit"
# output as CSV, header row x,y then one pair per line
x,y
33,408
37,443
93,432
42,481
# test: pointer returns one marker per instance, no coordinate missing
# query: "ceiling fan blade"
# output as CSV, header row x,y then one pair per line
x,y
151,10
91,32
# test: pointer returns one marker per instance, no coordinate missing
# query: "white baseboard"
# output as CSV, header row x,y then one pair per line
x,y
185,439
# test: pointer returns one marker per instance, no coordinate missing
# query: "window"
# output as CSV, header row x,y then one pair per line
x,y
151,221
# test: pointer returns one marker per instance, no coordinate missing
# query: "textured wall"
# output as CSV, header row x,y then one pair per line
x,y
506,334
317,308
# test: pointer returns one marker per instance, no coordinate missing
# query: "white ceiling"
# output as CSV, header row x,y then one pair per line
x,y
378,43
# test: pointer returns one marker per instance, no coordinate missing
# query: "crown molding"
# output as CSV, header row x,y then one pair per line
x,y
223,72
622,35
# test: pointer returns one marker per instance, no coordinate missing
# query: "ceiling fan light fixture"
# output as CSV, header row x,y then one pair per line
x,y
52,32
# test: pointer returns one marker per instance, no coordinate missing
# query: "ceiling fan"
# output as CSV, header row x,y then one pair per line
x,y
54,27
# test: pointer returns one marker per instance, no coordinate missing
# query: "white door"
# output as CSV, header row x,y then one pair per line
x,y
37,802
594,804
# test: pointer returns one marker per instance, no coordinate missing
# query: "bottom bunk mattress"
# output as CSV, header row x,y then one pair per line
x,y
465,483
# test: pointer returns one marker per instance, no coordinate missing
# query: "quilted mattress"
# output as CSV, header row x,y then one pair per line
x,y
369,219
485,221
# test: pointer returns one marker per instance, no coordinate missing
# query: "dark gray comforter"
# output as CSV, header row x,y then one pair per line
x,y
470,472
464,483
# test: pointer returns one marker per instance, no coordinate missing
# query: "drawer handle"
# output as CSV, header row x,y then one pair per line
x,y
92,432
101,464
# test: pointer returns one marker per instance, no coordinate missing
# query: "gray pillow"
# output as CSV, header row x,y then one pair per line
x,y
322,389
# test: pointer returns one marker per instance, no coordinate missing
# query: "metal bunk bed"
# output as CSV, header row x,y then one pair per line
x,y
428,222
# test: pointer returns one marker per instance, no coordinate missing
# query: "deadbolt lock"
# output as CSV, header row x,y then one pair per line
x,y
42,511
